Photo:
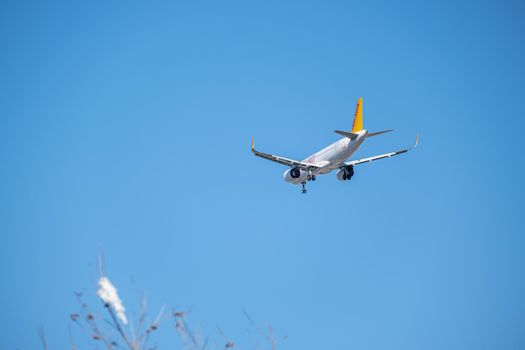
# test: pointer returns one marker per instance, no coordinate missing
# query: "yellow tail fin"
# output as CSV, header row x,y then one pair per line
x,y
358,118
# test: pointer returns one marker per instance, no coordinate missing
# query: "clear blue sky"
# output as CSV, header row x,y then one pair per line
x,y
126,126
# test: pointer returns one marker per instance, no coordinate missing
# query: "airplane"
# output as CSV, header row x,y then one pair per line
x,y
334,156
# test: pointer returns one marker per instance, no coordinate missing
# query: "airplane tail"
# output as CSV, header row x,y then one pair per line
x,y
358,117
358,124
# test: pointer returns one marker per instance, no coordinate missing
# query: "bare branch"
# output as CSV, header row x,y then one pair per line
x,y
119,328
101,260
71,340
42,337
228,343
269,336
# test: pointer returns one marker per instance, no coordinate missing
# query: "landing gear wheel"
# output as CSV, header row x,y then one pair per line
x,y
313,177
303,191
348,172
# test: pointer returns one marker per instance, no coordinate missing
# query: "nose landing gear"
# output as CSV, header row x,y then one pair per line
x,y
303,191
310,177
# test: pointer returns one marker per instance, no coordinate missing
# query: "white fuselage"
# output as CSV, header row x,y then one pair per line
x,y
331,157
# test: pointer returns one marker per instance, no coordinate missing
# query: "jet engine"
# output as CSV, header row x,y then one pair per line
x,y
345,173
295,175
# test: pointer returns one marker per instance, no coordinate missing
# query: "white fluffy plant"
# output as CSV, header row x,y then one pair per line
x,y
108,293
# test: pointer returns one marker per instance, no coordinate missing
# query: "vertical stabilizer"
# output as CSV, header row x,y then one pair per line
x,y
358,117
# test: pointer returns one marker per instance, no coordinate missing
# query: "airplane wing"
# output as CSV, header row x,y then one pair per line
x,y
381,156
284,161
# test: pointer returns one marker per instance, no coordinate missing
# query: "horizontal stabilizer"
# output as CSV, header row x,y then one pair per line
x,y
370,134
350,135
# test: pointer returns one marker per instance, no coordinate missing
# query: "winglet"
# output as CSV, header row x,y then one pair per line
x,y
417,141
253,145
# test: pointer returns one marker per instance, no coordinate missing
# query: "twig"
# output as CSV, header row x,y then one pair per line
x,y
119,328
42,337
270,337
